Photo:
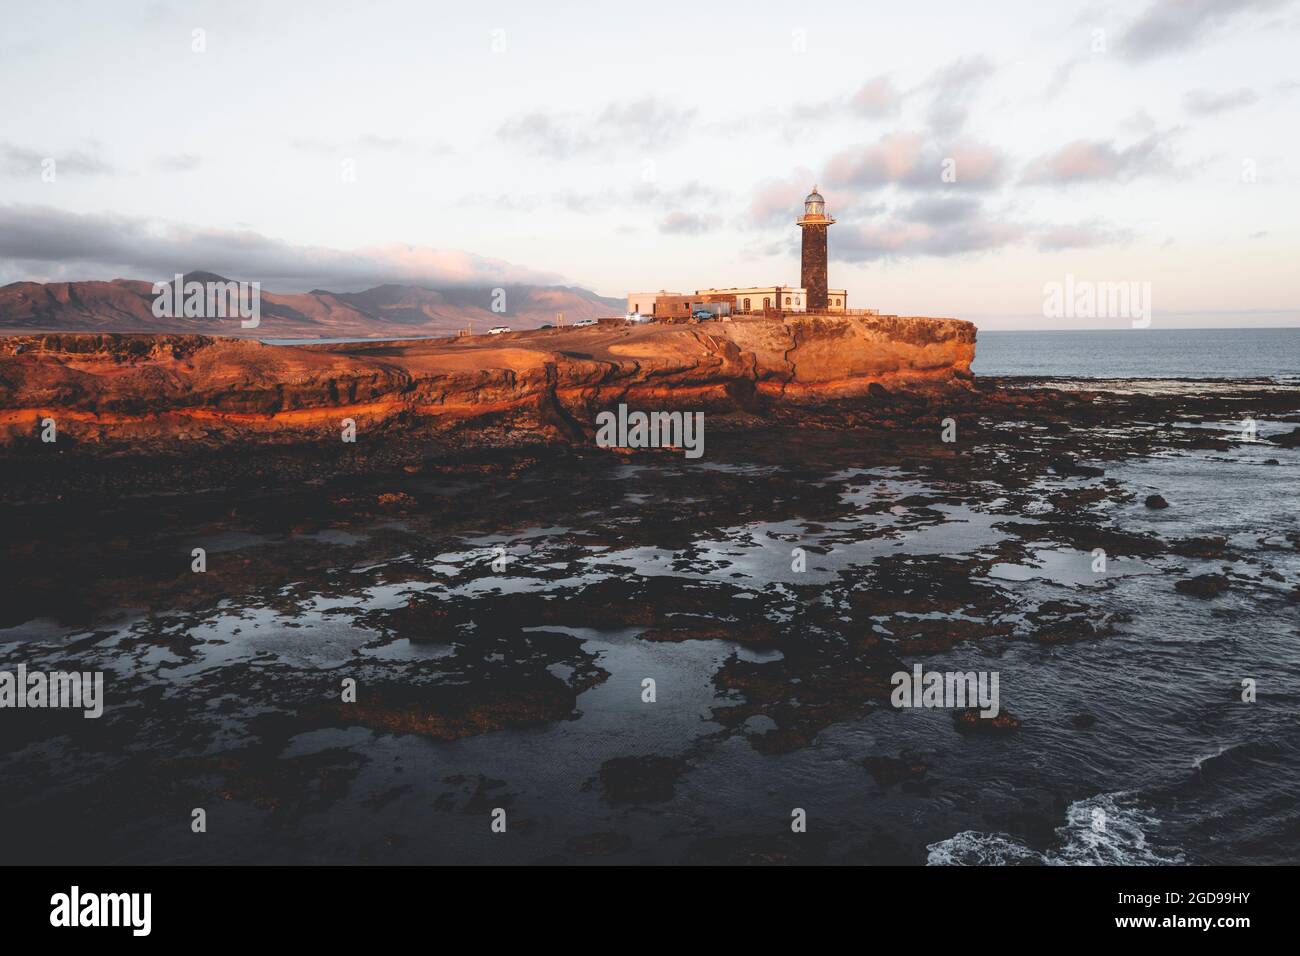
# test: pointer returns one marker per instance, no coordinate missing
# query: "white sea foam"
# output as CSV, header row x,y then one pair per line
x,y
1105,830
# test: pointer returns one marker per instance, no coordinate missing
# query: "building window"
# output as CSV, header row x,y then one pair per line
x,y
746,305
767,303
787,300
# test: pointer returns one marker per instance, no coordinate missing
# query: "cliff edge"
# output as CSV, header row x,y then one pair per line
x,y
151,392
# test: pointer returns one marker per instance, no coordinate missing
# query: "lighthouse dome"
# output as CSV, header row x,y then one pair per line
x,y
814,205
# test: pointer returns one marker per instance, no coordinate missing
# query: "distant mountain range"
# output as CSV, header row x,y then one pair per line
x,y
126,305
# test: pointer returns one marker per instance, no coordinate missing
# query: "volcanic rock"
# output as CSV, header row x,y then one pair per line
x,y
144,392
968,719
1203,585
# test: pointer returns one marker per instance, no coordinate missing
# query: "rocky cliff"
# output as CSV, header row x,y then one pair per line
x,y
151,392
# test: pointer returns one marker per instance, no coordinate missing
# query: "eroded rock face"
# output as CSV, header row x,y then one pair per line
x,y
152,391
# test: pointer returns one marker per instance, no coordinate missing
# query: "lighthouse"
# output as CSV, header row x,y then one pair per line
x,y
814,224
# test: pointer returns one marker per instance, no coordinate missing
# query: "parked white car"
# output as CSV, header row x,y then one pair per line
x,y
498,329
584,322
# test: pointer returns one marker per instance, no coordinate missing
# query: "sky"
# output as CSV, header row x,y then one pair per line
x,y
973,154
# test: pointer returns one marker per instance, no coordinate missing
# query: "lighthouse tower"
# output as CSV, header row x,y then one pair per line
x,y
814,224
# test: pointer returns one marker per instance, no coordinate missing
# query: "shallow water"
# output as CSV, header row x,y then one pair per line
x,y
1134,746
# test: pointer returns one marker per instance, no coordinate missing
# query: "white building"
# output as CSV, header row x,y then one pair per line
x,y
643,303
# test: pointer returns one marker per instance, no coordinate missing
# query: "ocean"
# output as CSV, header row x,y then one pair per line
x,y
501,628
1142,353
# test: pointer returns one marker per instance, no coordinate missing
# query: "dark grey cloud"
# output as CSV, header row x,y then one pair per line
x,y
901,238
943,210
898,224
43,242
1206,102
1170,26
961,226
1162,28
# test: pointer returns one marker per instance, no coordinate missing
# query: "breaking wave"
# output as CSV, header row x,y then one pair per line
x,y
1099,831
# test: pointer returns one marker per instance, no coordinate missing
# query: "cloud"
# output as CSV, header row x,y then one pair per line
x,y
907,160
1097,160
779,200
547,134
369,143
50,242
587,201
905,223
631,124
1163,27
894,158
652,194
876,99
1169,26
1139,122
685,224
20,161
1081,235
953,89
179,163
957,226
943,210
899,238
1205,102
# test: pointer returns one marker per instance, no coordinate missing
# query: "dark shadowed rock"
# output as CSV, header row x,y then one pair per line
x,y
888,771
1156,501
1290,440
1213,546
968,720
1065,465
1203,585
